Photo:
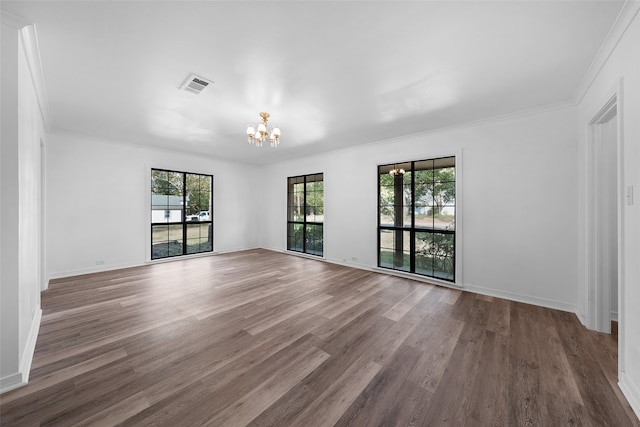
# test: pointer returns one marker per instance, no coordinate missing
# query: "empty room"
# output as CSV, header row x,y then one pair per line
x,y
320,213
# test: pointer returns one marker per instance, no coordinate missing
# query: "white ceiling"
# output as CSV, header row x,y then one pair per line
x,y
331,74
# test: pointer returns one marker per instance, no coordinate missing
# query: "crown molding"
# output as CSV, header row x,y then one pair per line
x,y
13,20
624,19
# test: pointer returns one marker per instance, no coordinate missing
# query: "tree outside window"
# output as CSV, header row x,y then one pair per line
x,y
305,214
417,217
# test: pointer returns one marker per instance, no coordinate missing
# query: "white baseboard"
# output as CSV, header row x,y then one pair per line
x,y
631,392
418,278
558,305
543,302
582,318
230,251
527,299
11,382
30,346
91,270
110,267
21,377
614,316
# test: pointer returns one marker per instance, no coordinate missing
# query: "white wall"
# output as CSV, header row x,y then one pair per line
x,y
518,204
523,186
98,202
21,195
623,65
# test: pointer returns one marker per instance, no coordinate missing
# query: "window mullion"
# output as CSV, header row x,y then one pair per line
x,y
412,232
305,235
184,214
304,214
430,225
166,186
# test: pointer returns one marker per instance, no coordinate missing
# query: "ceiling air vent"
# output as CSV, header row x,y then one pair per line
x,y
195,84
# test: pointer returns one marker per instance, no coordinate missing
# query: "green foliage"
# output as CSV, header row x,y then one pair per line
x,y
315,198
198,193
166,183
435,245
198,188
434,188
314,201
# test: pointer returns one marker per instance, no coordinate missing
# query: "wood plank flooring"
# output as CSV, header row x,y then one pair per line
x,y
262,338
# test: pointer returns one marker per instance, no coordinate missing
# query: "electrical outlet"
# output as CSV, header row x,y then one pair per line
x,y
100,262
354,259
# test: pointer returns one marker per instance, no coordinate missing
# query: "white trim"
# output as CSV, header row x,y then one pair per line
x,y
353,264
458,126
34,62
44,283
614,316
457,154
148,213
304,255
582,318
360,266
631,392
426,279
285,235
459,244
90,270
30,346
179,257
598,299
21,377
527,299
149,167
230,251
624,19
595,292
13,20
11,382
111,267
597,318
621,232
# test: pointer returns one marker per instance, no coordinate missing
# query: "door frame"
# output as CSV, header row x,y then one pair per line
x,y
599,295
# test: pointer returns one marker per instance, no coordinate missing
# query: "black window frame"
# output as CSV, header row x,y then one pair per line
x,y
186,249
305,223
412,228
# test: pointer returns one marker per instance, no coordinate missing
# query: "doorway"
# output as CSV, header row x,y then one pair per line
x,y
604,217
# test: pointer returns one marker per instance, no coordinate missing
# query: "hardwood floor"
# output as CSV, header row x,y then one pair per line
x,y
262,338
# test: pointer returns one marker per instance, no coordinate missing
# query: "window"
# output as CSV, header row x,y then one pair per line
x,y
305,215
417,217
181,223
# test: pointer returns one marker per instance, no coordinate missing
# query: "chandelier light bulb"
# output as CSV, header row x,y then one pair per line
x,y
260,133
395,171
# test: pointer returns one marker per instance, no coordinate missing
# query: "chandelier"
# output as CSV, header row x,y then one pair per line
x,y
395,171
263,134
